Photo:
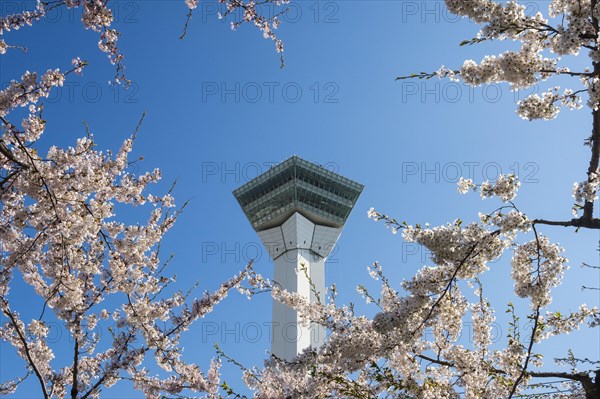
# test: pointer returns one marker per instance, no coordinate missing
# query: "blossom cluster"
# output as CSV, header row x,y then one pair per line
x,y
537,266
250,14
586,191
29,90
536,107
505,187
521,69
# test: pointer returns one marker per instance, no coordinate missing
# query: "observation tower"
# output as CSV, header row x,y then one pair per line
x,y
298,209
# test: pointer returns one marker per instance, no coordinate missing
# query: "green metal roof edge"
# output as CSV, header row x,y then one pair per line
x,y
295,159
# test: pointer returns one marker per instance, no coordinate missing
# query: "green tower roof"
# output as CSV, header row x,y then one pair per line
x,y
296,185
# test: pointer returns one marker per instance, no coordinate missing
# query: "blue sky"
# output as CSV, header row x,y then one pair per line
x,y
221,111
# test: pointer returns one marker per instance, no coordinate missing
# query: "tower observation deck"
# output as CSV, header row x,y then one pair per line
x,y
298,209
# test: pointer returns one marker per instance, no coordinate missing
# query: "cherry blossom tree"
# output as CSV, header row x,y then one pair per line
x,y
60,236
392,354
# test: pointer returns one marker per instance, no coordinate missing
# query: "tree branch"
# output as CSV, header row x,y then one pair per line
x,y
591,389
74,390
13,321
591,223
523,373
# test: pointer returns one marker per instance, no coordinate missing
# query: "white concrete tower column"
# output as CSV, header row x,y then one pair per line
x,y
299,249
